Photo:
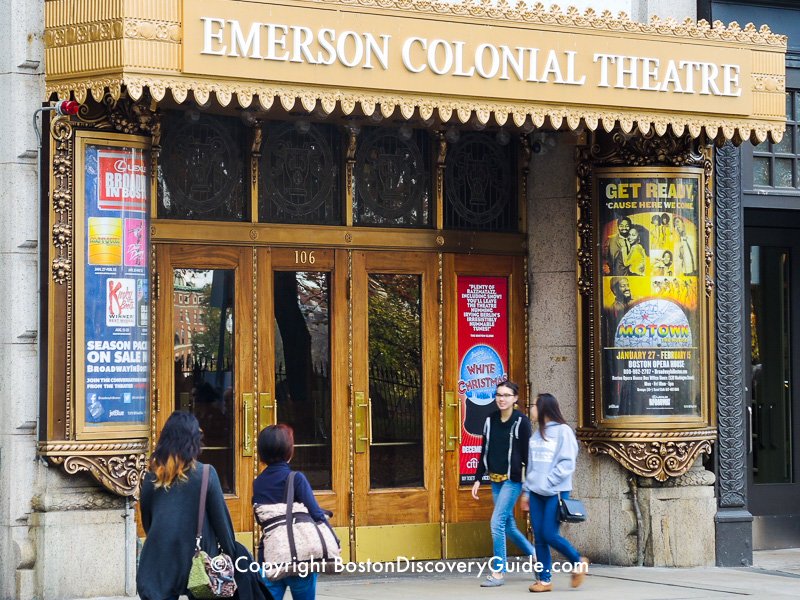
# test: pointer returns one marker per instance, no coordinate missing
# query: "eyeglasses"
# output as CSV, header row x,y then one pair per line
x,y
505,395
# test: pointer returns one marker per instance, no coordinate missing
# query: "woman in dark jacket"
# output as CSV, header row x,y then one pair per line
x,y
170,499
275,449
504,451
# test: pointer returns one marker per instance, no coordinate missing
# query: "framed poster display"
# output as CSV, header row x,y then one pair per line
x,y
650,274
113,188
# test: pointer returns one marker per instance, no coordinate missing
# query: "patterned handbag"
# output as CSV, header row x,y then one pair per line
x,y
289,536
209,578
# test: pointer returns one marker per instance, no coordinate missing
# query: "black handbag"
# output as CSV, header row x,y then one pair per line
x,y
571,510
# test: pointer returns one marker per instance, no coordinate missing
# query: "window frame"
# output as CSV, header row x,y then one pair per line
x,y
773,197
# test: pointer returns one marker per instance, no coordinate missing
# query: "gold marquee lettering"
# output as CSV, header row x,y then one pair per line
x,y
366,50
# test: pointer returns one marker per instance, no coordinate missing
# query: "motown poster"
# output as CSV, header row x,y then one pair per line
x,y
483,360
650,272
116,284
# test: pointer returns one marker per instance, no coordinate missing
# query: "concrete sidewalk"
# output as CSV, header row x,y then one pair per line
x,y
776,575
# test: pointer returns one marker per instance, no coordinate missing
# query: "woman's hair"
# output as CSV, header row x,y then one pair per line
x,y
507,383
547,408
177,449
276,444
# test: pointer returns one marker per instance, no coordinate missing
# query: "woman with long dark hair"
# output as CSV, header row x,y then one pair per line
x,y
553,450
169,504
504,451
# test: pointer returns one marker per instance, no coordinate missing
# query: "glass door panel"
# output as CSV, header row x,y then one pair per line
x,y
771,363
303,369
203,333
395,380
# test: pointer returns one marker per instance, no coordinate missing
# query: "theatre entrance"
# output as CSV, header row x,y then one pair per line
x,y
355,349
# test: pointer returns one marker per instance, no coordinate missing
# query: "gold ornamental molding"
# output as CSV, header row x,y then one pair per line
x,y
118,466
448,111
157,46
657,454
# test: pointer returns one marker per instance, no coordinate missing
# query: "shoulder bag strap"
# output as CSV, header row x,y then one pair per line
x,y
289,495
201,513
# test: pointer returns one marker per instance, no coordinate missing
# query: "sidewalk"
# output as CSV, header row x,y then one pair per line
x,y
776,575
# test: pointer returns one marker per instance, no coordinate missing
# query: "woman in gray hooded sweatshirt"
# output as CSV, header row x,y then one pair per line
x,y
552,452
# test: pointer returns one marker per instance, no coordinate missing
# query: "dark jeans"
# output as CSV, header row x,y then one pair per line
x,y
303,588
544,521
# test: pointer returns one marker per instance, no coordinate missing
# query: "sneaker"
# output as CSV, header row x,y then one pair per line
x,y
492,581
578,576
541,586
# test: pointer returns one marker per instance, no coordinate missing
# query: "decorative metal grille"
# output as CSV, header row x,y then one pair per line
x,y
480,193
200,169
300,174
392,175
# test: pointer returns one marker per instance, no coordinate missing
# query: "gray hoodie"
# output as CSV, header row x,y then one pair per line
x,y
551,462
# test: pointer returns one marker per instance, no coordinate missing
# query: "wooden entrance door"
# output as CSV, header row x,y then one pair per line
x,y
484,308
302,372
204,352
395,404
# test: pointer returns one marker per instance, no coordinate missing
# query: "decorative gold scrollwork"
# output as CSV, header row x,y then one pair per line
x,y
61,197
117,466
657,454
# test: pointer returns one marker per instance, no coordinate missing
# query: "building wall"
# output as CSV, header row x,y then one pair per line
x,y
45,515
21,78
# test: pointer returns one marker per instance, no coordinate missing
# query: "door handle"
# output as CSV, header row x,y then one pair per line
x,y
362,434
453,421
247,424
267,410
750,430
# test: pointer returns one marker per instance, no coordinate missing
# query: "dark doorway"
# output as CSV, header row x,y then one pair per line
x,y
772,264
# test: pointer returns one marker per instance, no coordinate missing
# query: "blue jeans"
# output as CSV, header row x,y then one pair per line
x,y
505,495
544,520
303,588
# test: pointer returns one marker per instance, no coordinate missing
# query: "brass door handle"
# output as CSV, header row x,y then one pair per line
x,y
452,421
362,434
267,410
247,424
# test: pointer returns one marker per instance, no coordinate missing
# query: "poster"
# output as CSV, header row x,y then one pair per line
x,y
482,360
650,275
116,298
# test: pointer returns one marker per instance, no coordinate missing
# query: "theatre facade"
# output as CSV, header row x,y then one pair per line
x,y
357,217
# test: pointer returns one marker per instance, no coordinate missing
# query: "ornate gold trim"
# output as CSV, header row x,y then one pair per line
x,y
61,132
656,454
117,466
518,11
246,93
112,29
350,410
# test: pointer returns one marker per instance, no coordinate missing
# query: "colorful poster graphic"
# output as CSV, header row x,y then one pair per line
x,y
122,184
650,274
116,300
135,242
105,241
483,360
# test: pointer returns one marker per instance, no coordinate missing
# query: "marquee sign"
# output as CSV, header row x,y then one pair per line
x,y
492,60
